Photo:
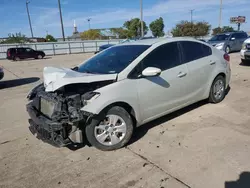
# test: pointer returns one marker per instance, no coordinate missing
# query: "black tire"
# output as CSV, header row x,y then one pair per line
x,y
116,110
39,56
228,49
245,61
16,58
212,97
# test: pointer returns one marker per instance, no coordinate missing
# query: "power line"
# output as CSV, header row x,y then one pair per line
x,y
142,29
28,12
89,21
191,14
220,16
59,6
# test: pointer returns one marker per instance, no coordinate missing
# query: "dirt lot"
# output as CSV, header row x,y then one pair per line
x,y
202,146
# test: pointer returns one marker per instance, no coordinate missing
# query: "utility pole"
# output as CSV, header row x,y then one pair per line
x,y
220,13
59,6
28,12
89,22
142,29
191,12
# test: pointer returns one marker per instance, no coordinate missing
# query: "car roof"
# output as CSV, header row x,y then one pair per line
x,y
158,40
228,33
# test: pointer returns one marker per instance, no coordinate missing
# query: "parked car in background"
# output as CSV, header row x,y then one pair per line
x,y
1,73
124,87
245,51
105,46
228,42
24,53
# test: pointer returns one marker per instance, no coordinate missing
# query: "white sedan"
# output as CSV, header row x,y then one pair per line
x,y
123,87
245,51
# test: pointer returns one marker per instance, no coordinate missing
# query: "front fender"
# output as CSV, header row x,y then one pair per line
x,y
122,91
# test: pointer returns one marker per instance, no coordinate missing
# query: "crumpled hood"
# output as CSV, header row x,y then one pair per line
x,y
55,78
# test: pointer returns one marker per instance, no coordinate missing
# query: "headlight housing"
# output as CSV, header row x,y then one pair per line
x,y
244,46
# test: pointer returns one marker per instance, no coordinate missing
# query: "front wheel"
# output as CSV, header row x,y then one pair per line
x,y
218,90
39,56
111,132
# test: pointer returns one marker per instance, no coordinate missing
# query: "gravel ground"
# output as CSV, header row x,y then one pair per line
x,y
203,145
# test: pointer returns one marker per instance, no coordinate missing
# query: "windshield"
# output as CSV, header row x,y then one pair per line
x,y
221,37
113,60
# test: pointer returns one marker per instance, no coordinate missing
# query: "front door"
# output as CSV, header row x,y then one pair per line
x,y
160,94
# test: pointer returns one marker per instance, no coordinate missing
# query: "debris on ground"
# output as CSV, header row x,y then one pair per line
x,y
157,146
162,132
88,158
145,164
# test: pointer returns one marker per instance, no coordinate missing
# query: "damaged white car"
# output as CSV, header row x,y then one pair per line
x,y
123,87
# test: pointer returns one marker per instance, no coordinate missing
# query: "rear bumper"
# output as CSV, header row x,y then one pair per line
x,y
46,130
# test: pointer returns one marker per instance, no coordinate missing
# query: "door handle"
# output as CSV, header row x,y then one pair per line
x,y
182,74
212,62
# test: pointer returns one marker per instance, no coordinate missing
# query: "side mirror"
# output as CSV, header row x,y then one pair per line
x,y
233,38
151,71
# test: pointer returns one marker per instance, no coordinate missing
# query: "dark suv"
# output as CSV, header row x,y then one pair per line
x,y
23,53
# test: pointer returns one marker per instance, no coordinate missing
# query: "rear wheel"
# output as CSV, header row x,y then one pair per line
x,y
218,90
112,132
245,61
16,58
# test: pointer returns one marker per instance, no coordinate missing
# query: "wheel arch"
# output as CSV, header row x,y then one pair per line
x,y
211,82
127,107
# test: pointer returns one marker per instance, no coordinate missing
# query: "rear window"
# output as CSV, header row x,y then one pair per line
x,y
194,50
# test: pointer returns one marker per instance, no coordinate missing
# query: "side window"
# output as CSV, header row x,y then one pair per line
x,y
28,49
242,35
20,50
163,57
194,50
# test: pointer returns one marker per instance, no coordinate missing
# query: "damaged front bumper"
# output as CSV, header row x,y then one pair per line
x,y
58,133
46,130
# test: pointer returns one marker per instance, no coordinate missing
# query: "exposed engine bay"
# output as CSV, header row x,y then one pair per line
x,y
56,117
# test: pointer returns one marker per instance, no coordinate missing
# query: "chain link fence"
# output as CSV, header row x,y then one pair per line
x,y
58,48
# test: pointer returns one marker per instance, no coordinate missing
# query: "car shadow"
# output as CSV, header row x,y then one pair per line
x,y
17,82
245,64
242,182
32,59
142,130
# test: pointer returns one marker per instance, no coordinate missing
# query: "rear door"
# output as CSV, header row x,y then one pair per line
x,y
165,92
200,63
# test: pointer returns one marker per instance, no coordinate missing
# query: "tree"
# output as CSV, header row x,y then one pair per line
x,y
121,32
157,27
17,38
185,28
90,34
134,27
50,38
224,29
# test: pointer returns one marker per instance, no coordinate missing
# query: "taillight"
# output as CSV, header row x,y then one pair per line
x,y
227,57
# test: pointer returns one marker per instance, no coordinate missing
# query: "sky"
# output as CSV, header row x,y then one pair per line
x,y
112,13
